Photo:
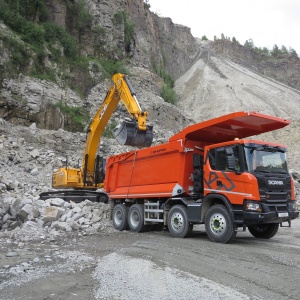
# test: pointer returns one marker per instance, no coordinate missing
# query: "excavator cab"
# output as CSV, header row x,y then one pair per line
x,y
128,133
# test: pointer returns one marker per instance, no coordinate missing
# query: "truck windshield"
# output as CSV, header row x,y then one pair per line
x,y
265,158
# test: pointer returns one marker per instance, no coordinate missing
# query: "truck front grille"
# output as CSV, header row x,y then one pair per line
x,y
274,188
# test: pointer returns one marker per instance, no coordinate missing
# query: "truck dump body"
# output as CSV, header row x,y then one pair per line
x,y
166,170
226,128
158,171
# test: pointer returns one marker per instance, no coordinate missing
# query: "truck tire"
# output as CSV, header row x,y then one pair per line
x,y
219,225
264,231
120,217
136,218
178,224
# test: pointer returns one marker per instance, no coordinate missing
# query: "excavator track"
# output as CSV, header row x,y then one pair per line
x,y
76,196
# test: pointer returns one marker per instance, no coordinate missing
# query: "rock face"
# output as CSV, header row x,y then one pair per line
x,y
284,69
156,43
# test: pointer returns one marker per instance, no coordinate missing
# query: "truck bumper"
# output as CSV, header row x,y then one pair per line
x,y
250,217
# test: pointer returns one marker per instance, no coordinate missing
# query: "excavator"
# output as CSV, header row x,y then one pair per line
x,y
78,184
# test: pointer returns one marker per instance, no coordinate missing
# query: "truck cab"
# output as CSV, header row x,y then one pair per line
x,y
253,177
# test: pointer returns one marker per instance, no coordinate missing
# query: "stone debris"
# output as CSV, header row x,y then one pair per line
x,y
40,217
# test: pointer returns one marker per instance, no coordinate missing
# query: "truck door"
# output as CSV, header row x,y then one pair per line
x,y
224,173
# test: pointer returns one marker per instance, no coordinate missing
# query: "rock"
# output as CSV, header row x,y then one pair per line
x,y
25,211
11,254
76,216
74,225
36,260
52,213
15,207
34,172
35,153
31,225
56,202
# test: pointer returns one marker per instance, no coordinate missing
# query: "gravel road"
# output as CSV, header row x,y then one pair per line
x,y
152,265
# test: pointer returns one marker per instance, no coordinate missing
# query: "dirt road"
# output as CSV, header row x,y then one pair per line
x,y
152,265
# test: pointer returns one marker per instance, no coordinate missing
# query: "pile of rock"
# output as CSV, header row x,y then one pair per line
x,y
40,217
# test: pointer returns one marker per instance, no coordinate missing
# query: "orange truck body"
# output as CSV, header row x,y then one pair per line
x,y
166,173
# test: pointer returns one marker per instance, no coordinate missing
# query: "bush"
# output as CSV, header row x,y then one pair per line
x,y
109,129
112,67
77,116
168,94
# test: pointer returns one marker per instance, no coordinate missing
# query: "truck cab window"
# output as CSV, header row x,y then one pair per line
x,y
218,158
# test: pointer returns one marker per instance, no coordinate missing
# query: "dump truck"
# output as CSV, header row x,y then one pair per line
x,y
84,182
209,173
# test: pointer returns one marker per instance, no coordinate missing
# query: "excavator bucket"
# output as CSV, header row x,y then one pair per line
x,y
127,133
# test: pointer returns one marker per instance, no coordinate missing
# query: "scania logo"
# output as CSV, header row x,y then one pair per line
x,y
275,182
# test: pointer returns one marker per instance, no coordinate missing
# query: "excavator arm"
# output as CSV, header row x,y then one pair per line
x,y
133,132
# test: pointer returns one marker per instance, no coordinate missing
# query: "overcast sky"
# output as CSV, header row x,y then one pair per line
x,y
266,22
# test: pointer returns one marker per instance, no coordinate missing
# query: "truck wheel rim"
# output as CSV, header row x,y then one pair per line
x,y
217,224
134,218
177,221
118,217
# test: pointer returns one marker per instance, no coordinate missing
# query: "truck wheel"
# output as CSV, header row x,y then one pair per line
x,y
136,218
178,222
264,231
120,217
219,225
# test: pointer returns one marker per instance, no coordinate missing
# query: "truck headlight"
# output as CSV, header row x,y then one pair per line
x,y
293,206
253,206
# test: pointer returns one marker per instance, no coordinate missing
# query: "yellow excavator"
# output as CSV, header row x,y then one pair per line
x,y
78,184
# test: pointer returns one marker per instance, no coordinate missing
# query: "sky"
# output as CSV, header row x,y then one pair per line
x,y
266,22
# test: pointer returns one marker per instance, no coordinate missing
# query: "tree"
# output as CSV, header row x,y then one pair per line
x,y
204,38
234,40
284,50
293,52
275,51
249,44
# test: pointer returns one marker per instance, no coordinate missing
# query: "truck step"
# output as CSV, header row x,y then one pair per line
x,y
153,213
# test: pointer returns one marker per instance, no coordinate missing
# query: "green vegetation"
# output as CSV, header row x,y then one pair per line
x,y
109,129
146,4
120,18
76,117
167,93
274,53
112,67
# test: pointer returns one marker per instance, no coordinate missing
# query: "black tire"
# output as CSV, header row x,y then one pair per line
x,y
136,218
264,231
219,225
178,222
120,217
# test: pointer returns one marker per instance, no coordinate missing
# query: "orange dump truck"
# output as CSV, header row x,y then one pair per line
x,y
208,173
